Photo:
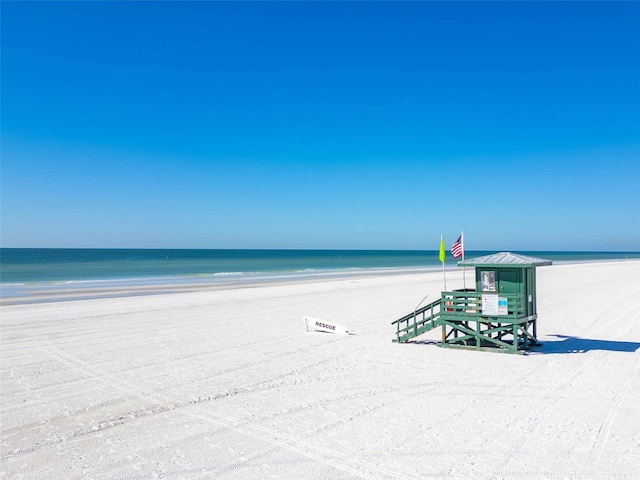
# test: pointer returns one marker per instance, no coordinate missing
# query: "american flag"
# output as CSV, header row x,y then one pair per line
x,y
456,249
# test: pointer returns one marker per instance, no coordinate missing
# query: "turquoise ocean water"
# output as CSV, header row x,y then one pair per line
x,y
25,273
41,266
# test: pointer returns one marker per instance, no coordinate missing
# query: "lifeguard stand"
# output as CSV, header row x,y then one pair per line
x,y
499,315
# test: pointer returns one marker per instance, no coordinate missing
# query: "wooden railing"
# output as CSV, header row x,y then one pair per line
x,y
420,321
469,304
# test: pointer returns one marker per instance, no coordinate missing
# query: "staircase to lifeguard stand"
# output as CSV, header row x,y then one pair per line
x,y
418,322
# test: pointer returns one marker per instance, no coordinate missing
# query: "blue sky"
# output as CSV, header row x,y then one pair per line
x,y
321,125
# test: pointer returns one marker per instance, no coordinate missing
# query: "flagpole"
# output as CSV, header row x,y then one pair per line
x,y
442,259
444,276
464,273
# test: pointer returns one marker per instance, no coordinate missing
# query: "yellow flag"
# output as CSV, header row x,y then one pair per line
x,y
441,256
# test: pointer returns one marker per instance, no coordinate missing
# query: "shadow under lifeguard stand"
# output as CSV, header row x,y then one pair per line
x,y
567,344
499,315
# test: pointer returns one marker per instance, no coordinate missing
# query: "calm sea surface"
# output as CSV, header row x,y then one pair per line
x,y
28,266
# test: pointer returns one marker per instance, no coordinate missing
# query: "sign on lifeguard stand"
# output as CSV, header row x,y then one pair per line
x,y
500,315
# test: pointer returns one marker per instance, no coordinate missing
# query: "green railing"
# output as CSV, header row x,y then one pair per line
x,y
469,304
420,321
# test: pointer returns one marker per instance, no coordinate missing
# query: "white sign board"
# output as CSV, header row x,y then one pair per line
x,y
494,305
490,304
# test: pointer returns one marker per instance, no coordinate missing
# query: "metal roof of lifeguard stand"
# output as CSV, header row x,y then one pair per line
x,y
499,315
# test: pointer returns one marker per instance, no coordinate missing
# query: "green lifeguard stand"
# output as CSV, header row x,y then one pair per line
x,y
499,315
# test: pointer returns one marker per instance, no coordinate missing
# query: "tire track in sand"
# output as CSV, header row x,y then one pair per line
x,y
605,428
520,443
76,435
297,445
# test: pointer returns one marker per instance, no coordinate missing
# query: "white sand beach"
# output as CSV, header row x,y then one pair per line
x,y
227,383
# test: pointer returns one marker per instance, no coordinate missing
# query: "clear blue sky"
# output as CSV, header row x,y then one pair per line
x,y
321,125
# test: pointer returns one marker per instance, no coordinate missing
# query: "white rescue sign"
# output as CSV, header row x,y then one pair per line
x,y
320,325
